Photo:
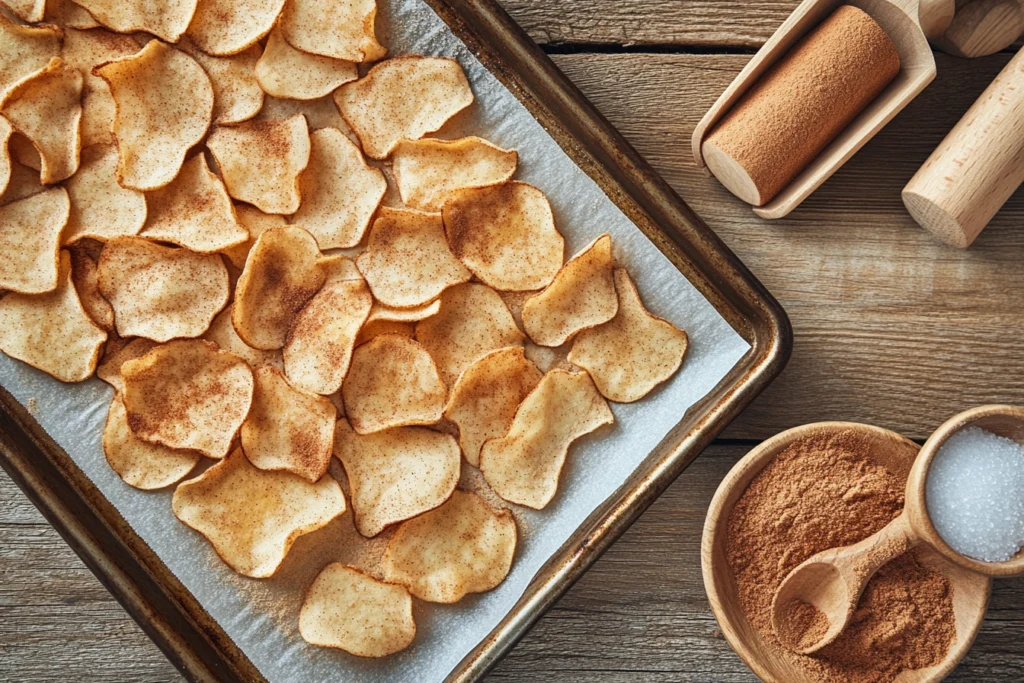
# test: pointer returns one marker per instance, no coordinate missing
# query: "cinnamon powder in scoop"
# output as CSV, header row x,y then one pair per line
x,y
820,493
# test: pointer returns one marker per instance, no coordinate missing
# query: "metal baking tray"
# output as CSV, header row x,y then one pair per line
x,y
180,626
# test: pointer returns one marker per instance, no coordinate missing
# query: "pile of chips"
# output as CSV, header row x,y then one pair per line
x,y
179,179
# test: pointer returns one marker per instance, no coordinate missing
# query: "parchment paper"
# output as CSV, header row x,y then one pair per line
x,y
261,616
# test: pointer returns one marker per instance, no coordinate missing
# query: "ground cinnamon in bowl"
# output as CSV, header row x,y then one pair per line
x,y
819,493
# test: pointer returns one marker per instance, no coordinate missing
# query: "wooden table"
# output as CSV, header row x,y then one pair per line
x,y
891,329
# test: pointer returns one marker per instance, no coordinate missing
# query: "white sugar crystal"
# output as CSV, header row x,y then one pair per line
x,y
975,495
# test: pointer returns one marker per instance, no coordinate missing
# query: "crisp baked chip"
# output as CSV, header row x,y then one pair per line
x,y
396,474
25,50
342,30
256,223
51,331
261,161
31,11
85,276
165,19
407,261
484,400
430,171
350,611
141,464
281,274
237,96
46,108
461,547
524,465
30,231
160,292
340,267
85,50
392,382
340,193
24,152
320,113
222,333
404,97
633,353
24,183
376,328
505,234
383,313
252,517
472,322
228,27
582,295
116,352
287,428
194,211
188,394
69,15
5,156
100,208
164,105
288,73
321,339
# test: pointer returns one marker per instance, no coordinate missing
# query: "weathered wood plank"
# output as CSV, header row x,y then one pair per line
x,y
892,328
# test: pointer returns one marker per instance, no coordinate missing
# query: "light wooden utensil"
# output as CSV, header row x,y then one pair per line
x,y
833,580
982,27
908,24
767,661
976,168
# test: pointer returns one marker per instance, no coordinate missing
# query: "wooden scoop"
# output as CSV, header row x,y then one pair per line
x,y
815,601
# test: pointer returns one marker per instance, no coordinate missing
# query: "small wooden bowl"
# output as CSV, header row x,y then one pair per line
x,y
970,590
1005,421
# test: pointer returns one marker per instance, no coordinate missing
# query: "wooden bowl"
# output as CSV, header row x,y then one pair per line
x,y
970,590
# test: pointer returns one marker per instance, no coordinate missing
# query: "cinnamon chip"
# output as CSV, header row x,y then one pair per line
x,y
116,353
141,464
286,72
222,333
85,50
85,276
237,96
256,223
430,171
342,30
165,19
30,231
228,27
30,11
6,162
25,50
101,208
413,314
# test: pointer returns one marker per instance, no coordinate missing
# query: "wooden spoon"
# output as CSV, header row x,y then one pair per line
x,y
815,601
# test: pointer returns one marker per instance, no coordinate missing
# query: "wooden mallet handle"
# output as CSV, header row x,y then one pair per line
x,y
972,173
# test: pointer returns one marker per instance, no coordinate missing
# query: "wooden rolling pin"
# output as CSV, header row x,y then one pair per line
x,y
807,98
972,173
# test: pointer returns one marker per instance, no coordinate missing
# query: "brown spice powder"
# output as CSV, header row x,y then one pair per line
x,y
820,493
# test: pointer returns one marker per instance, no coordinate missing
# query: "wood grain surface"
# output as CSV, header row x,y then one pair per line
x,y
891,329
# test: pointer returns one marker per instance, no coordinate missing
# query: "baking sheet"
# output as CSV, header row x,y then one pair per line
x,y
261,616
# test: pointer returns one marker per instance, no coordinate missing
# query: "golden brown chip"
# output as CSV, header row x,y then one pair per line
x,y
350,611
69,15
396,474
23,151
85,50
51,331
472,322
227,27
524,465
25,50
282,273
252,517
165,19
340,267
261,161
340,193
24,183
505,234
30,231
392,382
45,108
194,211
100,208
430,171
237,96
222,333
288,73
31,11
342,30
160,292
116,352
383,313
256,223
320,342
140,464
164,105
404,97
582,295
85,276
407,261
319,113
5,156
633,353
376,328
288,428
461,547
187,394
484,400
